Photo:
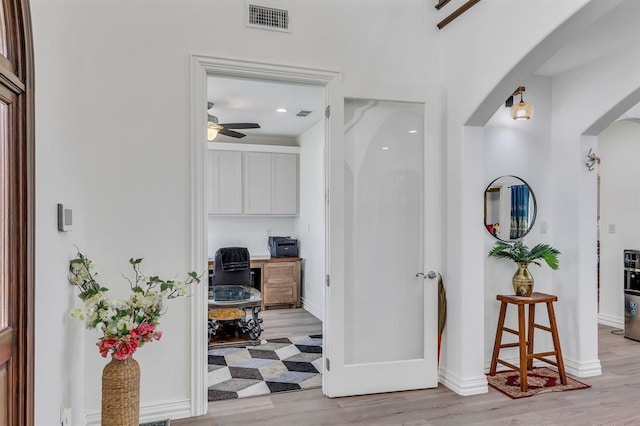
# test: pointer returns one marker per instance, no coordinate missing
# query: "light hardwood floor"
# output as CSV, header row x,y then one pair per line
x,y
611,400
288,322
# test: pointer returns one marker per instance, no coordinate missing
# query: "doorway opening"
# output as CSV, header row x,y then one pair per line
x,y
265,189
618,230
254,227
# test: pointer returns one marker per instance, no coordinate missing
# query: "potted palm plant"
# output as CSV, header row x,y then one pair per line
x,y
518,252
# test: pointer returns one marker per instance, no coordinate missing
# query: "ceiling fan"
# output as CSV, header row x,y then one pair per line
x,y
214,128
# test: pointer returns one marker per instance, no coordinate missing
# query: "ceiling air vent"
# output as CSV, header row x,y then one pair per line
x,y
267,18
303,113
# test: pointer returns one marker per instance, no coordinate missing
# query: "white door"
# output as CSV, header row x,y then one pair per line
x,y
382,313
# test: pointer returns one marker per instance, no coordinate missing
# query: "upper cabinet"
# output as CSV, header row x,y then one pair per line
x,y
224,182
253,183
284,189
258,182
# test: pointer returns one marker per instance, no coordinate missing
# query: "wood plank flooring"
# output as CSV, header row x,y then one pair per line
x,y
288,322
612,400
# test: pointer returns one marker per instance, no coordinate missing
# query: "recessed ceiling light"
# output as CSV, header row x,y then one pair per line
x,y
413,131
281,110
384,148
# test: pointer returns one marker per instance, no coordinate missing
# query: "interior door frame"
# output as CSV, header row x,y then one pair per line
x,y
17,76
201,66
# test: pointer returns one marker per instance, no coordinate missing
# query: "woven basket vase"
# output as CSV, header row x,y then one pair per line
x,y
121,393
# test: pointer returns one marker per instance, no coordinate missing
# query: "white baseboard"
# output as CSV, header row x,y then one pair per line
x,y
465,387
583,369
316,311
153,412
514,361
611,321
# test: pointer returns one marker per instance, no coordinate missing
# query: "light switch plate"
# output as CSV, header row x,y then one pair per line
x,y
65,218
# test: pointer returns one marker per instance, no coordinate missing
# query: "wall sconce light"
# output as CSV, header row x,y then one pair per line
x,y
522,110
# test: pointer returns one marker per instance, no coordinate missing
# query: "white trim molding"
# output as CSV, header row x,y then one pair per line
x,y
583,369
314,310
465,387
611,321
228,146
152,412
201,66
577,369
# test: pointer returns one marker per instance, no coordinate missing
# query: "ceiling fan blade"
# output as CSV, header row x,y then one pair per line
x,y
241,125
231,133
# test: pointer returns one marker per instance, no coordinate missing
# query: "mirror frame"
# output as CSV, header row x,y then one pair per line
x,y
533,197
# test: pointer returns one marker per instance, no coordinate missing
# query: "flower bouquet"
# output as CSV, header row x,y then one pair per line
x,y
128,323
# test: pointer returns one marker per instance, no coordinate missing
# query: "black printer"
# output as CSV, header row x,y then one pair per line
x,y
283,247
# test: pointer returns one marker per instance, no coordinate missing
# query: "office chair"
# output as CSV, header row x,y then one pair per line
x,y
232,266
230,291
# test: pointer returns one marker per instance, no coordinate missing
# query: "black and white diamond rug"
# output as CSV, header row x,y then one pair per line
x,y
275,365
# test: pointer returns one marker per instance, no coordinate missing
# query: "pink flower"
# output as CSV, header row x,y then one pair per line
x,y
158,335
125,349
105,344
144,332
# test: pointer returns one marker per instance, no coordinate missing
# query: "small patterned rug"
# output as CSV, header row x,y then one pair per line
x,y
275,365
541,380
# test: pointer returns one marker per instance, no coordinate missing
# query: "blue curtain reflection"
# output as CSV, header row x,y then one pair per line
x,y
519,211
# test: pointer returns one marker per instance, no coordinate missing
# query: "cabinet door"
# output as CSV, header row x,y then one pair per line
x,y
279,294
284,193
257,183
281,282
225,182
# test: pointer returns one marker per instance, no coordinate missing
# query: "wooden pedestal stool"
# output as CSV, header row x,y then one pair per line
x,y
525,336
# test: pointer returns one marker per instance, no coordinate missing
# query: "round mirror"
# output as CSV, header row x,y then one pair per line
x,y
509,208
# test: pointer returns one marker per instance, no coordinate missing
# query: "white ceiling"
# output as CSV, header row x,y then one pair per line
x,y
615,32
238,100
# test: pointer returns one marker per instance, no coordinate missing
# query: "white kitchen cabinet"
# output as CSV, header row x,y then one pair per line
x,y
284,190
252,183
270,183
225,182
258,182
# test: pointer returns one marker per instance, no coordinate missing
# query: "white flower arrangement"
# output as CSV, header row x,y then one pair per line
x,y
128,323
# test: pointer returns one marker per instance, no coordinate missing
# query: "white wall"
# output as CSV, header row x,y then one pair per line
x,y
113,84
619,150
310,224
122,68
61,167
603,93
252,232
583,102
519,148
482,66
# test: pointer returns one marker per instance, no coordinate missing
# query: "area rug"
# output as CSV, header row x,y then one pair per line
x,y
275,365
541,380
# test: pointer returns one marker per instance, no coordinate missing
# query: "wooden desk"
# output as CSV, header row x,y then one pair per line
x,y
279,280
526,346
